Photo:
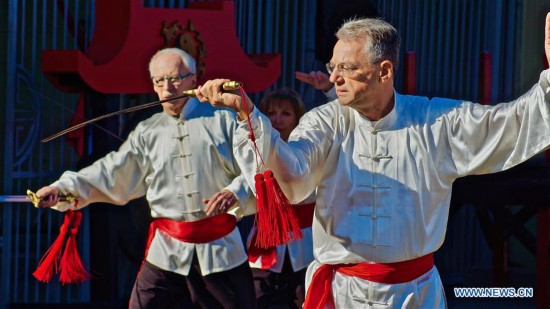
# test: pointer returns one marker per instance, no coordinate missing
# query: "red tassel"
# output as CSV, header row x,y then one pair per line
x,y
63,256
50,261
259,184
71,266
262,218
277,222
275,218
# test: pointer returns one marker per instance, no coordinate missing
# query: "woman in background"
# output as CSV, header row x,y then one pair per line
x,y
279,272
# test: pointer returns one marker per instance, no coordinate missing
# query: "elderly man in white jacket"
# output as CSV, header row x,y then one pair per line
x,y
181,159
383,165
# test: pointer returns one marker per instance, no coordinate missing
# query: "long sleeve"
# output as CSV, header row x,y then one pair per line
x,y
116,178
487,139
383,188
245,205
176,163
297,164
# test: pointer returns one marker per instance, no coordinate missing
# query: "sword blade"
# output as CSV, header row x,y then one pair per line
x,y
15,199
227,86
32,198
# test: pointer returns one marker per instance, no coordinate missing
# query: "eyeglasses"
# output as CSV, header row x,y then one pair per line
x,y
174,79
344,69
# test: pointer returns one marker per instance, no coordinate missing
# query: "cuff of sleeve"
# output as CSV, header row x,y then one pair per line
x,y
237,189
63,188
243,129
253,114
239,208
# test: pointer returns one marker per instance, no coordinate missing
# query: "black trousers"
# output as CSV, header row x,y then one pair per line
x,y
280,290
158,288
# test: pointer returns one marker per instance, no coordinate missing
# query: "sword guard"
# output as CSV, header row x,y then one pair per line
x,y
35,200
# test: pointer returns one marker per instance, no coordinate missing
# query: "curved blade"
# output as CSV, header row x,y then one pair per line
x,y
227,86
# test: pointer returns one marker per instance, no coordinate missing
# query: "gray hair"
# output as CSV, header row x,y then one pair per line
x,y
380,37
188,61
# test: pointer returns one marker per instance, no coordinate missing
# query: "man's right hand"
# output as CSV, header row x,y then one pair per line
x,y
212,92
49,196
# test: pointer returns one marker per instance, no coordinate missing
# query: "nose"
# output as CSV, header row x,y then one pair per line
x,y
168,87
334,76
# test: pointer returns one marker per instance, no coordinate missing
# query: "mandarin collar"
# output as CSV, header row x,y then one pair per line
x,y
188,107
386,121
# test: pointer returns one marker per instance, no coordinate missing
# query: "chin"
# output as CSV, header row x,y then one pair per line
x,y
343,102
171,109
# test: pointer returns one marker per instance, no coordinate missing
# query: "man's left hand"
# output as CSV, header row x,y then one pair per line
x,y
219,203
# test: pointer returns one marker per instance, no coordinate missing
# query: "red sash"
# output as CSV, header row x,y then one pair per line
x,y
304,213
320,292
197,232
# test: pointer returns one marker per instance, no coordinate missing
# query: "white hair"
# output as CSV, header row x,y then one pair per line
x,y
188,61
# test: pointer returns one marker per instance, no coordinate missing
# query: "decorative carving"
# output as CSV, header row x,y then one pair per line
x,y
122,46
187,39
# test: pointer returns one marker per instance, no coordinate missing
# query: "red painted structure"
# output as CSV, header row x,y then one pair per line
x,y
409,84
127,35
485,78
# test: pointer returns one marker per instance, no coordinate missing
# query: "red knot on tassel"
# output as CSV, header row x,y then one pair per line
x,y
62,257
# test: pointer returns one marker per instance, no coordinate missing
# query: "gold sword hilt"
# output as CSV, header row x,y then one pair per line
x,y
35,200
227,86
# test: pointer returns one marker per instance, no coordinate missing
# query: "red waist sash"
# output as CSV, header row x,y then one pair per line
x,y
304,213
197,232
320,292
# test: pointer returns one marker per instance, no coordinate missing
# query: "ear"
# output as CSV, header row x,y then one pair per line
x,y
386,71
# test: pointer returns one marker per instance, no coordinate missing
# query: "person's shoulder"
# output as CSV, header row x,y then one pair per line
x,y
447,101
148,126
421,109
419,102
328,108
325,115
152,121
410,99
214,118
225,112
208,109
